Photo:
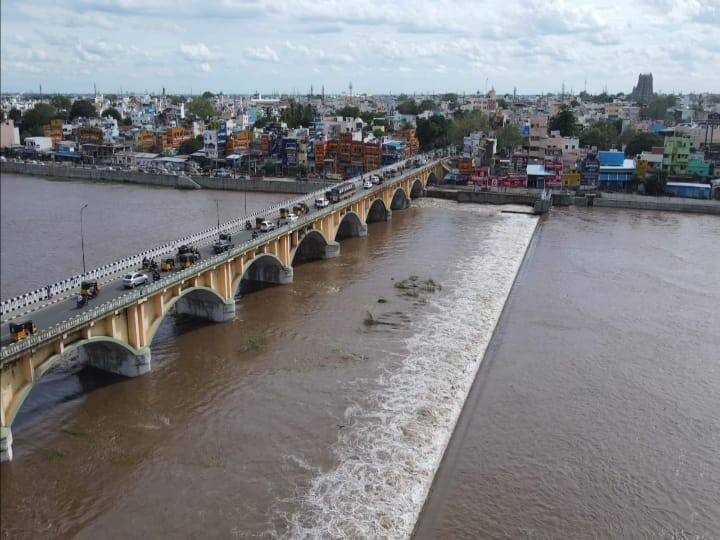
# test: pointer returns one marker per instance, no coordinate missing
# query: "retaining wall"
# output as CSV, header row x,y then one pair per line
x,y
267,186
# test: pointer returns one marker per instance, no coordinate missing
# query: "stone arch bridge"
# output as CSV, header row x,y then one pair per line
x,y
116,336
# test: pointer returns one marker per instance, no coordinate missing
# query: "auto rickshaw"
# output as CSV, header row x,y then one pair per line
x,y
89,289
22,330
167,265
301,208
258,221
185,260
248,226
284,212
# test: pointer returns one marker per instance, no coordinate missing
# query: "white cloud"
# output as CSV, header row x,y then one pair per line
x,y
205,67
262,54
198,52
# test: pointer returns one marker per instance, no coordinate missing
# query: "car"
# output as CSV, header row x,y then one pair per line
x,y
367,184
375,179
288,219
322,202
133,279
267,226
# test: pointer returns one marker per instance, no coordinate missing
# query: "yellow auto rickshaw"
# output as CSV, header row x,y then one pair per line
x,y
167,265
22,330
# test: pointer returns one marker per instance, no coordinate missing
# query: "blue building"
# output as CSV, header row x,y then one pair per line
x,y
393,151
616,172
689,190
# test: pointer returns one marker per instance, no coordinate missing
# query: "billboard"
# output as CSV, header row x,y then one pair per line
x,y
590,170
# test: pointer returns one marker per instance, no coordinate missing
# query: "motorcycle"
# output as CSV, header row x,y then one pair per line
x,y
156,275
80,300
248,225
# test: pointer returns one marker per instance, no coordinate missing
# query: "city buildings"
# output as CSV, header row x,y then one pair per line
x,y
676,155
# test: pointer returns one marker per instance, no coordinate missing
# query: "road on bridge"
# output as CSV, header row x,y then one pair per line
x,y
50,314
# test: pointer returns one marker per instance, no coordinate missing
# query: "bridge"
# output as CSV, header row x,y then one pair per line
x,y
115,330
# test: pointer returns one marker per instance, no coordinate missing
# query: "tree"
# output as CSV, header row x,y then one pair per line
x,y
565,122
502,103
508,137
377,132
407,107
127,121
60,102
604,135
82,108
348,111
641,142
176,100
466,123
658,107
655,185
297,115
34,119
208,95
112,112
261,122
201,107
15,115
191,145
426,105
432,132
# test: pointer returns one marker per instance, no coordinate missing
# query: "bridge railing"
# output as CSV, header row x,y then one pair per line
x,y
169,248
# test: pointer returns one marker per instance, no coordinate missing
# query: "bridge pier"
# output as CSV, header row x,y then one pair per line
x,y
388,214
332,250
116,359
6,444
206,308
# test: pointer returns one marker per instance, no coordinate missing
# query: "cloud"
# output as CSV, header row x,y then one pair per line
x,y
205,67
198,52
262,54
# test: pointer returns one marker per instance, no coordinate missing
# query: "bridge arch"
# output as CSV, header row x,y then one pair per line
x,y
199,301
312,246
264,268
400,200
103,352
417,190
433,179
378,211
351,225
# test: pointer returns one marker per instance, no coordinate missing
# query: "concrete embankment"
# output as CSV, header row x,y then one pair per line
x,y
162,180
605,200
100,175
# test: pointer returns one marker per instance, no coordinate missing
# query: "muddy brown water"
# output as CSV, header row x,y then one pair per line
x,y
298,419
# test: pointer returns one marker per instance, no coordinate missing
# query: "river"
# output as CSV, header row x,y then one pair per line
x,y
324,408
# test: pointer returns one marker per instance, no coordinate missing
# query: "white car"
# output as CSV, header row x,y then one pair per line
x,y
322,202
288,219
367,184
133,279
375,179
267,226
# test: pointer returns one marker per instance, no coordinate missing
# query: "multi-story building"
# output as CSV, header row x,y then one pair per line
x,y
144,140
54,130
616,172
697,166
676,155
536,137
9,134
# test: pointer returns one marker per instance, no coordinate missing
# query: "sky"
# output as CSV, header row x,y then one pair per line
x,y
384,46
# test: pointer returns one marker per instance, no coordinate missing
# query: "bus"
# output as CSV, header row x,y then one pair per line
x,y
340,192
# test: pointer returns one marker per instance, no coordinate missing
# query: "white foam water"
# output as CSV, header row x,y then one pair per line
x,y
390,449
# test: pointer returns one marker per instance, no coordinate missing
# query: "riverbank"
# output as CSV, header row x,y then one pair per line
x,y
63,172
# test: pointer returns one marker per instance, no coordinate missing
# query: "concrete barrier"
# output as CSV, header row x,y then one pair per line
x,y
664,204
261,184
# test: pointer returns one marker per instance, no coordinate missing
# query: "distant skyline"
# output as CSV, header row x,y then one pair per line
x,y
243,46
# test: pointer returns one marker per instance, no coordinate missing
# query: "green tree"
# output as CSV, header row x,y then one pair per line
x,y
261,122
658,107
604,135
655,185
508,137
191,145
60,102
208,95
112,112
565,122
15,115
201,107
297,115
426,105
127,121
432,132
377,132
641,142
407,107
82,108
34,119
112,98
502,104
348,111
466,123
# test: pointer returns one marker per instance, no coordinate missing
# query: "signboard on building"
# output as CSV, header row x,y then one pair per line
x,y
590,170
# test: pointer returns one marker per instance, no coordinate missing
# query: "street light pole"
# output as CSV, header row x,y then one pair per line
x,y
217,206
82,237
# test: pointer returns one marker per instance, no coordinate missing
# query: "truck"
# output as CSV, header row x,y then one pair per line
x,y
38,144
